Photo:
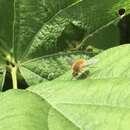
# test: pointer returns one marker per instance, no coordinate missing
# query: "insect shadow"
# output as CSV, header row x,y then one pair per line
x,y
83,75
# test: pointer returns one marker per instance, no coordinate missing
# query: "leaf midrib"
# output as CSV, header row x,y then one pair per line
x,y
95,105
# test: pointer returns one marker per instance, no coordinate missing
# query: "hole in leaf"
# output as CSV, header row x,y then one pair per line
x,y
70,38
121,11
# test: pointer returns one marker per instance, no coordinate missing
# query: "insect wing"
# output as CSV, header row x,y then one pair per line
x,y
92,62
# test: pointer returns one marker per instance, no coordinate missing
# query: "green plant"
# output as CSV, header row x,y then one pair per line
x,y
38,38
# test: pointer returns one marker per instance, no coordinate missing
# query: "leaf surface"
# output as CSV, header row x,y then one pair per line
x,y
24,110
98,104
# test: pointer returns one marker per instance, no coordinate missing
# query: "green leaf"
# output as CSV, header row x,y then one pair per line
x,y
97,104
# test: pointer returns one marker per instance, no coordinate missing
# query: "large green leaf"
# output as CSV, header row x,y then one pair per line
x,y
97,104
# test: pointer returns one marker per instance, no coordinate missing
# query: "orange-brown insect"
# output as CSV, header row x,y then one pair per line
x,y
79,64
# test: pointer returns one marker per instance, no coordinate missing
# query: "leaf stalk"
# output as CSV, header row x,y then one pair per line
x,y
14,76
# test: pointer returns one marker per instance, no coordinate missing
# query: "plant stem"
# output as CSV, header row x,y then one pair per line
x,y
14,76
